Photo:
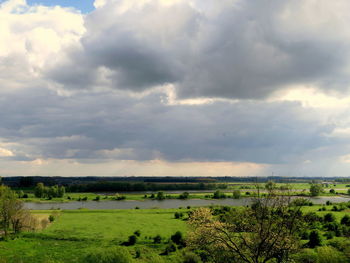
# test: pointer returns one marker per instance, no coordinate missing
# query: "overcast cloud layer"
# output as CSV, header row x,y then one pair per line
x,y
262,85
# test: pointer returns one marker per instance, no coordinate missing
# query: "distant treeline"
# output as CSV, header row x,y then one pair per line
x,y
32,181
131,187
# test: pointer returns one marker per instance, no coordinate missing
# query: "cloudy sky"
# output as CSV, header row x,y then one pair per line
x,y
175,87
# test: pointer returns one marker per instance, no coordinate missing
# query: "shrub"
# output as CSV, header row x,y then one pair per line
x,y
171,247
306,256
219,195
236,194
190,257
178,215
177,238
184,195
109,255
345,220
329,217
314,239
157,239
51,218
132,240
327,254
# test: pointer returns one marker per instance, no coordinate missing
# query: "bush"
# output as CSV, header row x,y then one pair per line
x,y
314,239
178,215
177,238
184,195
329,217
345,220
171,247
157,239
109,255
327,254
190,257
219,195
306,256
132,240
236,194
51,218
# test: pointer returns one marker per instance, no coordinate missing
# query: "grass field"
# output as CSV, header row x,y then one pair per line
x,y
74,233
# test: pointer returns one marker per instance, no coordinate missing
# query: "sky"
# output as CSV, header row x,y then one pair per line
x,y
174,88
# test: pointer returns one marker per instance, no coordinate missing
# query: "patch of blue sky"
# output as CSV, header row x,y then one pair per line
x,y
85,6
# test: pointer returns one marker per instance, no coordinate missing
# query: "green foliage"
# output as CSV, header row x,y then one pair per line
x,y
327,254
51,218
219,195
41,191
108,255
132,240
345,220
316,189
190,257
157,239
314,239
160,196
236,194
178,215
177,238
329,217
306,256
184,195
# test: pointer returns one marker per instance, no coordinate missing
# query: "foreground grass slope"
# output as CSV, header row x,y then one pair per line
x,y
74,233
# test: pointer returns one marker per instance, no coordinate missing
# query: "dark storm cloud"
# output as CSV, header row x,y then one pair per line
x,y
117,126
235,49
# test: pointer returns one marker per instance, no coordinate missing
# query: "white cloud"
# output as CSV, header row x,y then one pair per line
x,y
175,87
5,153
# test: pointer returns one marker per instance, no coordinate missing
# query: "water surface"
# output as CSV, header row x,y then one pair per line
x,y
171,203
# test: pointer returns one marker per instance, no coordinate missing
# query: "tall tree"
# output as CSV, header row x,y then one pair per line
x,y
13,216
267,230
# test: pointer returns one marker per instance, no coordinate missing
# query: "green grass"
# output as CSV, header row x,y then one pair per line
x,y
75,232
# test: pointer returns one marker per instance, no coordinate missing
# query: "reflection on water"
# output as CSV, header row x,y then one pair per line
x,y
172,203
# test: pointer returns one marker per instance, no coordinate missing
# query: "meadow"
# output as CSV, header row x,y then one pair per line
x,y
74,233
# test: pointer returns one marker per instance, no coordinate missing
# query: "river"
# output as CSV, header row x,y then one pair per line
x,y
169,203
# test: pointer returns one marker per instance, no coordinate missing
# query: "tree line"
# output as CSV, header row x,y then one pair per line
x,y
131,187
42,191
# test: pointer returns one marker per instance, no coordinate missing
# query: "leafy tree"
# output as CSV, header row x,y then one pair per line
x,y
329,217
160,196
236,194
345,220
13,216
39,190
184,195
268,230
219,195
315,189
314,239
270,185
61,191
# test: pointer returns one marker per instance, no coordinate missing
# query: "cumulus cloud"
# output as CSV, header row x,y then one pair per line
x,y
181,82
119,126
233,49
